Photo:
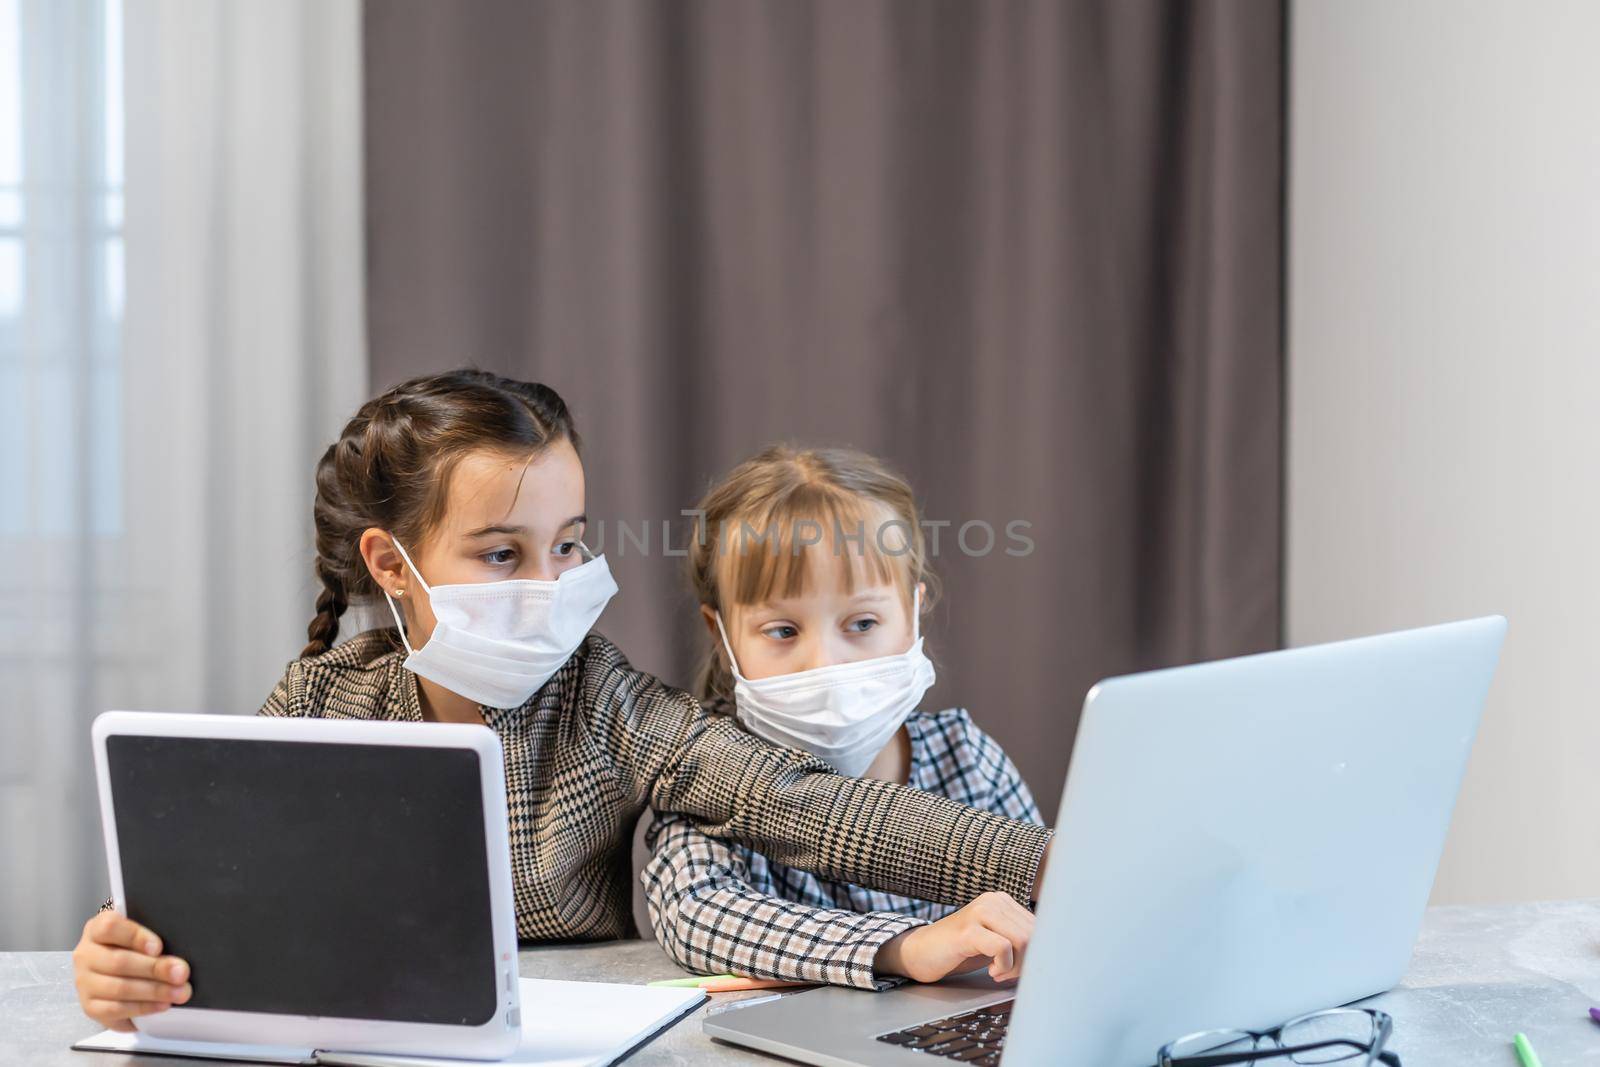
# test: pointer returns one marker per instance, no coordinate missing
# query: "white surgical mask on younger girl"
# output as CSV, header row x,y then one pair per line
x,y
843,713
498,642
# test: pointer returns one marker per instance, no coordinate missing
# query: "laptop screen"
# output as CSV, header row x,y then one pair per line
x,y
340,880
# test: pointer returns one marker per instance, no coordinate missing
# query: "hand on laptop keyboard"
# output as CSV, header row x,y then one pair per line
x,y
991,931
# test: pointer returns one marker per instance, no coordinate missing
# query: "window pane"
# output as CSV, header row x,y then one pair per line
x,y
62,290
113,279
55,455
105,456
10,277
10,93
14,428
112,77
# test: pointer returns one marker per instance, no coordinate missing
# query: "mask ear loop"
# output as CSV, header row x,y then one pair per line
x,y
393,609
728,648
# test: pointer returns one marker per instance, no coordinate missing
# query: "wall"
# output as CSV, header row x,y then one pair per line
x,y
1444,385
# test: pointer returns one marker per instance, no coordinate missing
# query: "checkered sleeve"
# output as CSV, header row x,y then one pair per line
x,y
790,806
1008,793
711,919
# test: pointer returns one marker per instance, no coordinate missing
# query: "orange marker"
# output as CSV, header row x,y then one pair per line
x,y
734,985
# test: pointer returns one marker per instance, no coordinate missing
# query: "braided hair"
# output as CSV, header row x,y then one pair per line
x,y
391,466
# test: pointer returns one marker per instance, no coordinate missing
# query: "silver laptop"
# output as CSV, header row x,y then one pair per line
x,y
1238,842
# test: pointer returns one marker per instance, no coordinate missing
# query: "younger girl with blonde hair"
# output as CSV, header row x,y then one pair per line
x,y
810,571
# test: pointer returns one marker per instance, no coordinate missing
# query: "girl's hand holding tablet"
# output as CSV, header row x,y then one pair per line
x,y
121,973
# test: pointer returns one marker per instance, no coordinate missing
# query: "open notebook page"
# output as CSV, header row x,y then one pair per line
x,y
564,1024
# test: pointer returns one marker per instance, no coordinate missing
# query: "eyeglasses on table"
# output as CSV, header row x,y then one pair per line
x,y
1350,1037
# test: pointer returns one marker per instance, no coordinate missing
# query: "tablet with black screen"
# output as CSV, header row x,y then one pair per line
x,y
333,884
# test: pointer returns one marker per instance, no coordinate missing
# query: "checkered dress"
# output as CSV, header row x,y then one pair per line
x,y
600,741
723,908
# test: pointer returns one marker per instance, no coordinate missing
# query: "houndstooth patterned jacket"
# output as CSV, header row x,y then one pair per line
x,y
601,741
723,908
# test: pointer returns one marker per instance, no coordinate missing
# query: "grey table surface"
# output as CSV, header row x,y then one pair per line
x,y
1477,976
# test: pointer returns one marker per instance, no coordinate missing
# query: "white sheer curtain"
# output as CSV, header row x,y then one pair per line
x,y
156,526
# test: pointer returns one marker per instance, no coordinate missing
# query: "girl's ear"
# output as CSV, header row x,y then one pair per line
x,y
382,560
922,597
709,615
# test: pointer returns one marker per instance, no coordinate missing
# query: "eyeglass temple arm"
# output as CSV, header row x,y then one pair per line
x,y
1224,1059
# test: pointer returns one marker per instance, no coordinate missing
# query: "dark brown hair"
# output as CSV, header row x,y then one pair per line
x,y
391,467
748,546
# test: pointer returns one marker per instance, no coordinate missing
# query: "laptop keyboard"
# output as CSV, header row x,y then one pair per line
x,y
974,1037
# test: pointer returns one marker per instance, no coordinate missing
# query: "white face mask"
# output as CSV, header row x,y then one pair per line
x,y
844,713
498,642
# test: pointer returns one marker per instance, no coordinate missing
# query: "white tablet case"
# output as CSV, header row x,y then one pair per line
x,y
296,1035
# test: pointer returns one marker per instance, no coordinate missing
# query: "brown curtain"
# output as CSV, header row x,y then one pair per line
x,y
1028,252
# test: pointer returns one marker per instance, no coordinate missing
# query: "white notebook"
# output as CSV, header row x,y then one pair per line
x,y
576,1024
